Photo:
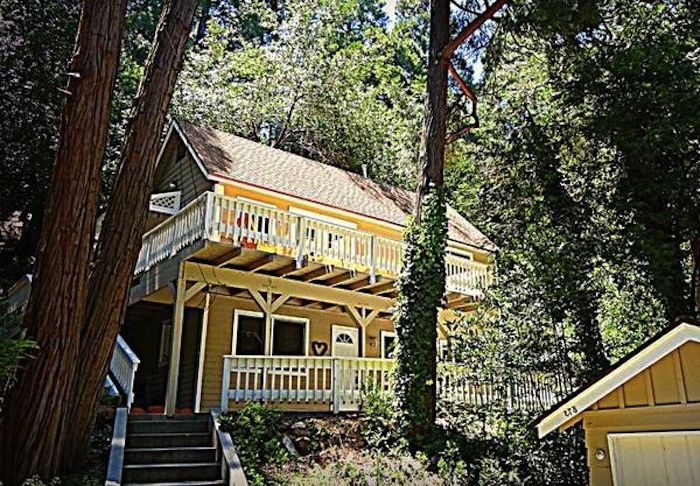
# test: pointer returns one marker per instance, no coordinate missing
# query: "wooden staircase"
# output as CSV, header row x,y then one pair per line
x,y
171,451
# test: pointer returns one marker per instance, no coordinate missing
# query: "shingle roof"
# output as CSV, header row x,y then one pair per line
x,y
231,157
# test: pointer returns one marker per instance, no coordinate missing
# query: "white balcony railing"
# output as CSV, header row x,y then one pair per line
x,y
123,369
333,382
230,220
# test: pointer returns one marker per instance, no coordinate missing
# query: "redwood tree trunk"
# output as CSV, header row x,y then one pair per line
x,y
120,239
432,152
33,425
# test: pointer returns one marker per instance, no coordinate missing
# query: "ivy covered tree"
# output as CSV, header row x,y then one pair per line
x,y
422,282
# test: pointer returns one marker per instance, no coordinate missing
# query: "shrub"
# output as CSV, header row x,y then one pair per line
x,y
13,347
380,426
255,431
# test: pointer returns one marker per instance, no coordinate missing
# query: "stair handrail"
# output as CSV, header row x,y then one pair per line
x,y
231,467
123,369
116,451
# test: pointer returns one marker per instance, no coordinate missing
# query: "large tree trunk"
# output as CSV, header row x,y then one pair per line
x,y
33,425
120,239
422,284
432,151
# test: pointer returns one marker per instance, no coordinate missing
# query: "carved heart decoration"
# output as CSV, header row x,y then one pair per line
x,y
319,348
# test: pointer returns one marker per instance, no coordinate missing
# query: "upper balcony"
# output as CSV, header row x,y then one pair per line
x,y
290,245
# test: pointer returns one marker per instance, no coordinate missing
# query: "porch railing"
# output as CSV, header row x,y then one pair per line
x,y
123,369
338,383
227,219
525,391
335,382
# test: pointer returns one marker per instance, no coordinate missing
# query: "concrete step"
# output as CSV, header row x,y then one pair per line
x,y
173,418
163,440
180,483
166,426
194,471
161,455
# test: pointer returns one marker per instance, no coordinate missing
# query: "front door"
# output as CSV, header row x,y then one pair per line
x,y
346,344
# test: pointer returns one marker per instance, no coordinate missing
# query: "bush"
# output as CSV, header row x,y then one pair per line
x,y
13,347
380,426
255,431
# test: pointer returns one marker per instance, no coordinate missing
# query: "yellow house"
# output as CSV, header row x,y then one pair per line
x,y
642,418
271,277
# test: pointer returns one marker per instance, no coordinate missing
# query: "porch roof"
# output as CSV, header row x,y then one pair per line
x,y
226,156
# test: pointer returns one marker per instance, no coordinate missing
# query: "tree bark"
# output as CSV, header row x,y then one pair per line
x,y
33,425
432,151
120,240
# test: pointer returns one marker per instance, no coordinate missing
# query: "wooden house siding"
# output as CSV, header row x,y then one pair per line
x,y
178,167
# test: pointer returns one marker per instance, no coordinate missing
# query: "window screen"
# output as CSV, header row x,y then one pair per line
x,y
250,336
288,338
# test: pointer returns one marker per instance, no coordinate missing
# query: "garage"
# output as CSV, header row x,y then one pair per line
x,y
641,418
654,458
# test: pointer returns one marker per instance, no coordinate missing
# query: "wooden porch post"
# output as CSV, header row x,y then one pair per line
x,y
202,352
268,306
174,368
362,319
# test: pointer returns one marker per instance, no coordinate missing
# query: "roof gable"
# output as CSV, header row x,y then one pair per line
x,y
223,156
629,367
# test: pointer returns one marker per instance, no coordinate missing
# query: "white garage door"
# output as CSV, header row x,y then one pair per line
x,y
655,459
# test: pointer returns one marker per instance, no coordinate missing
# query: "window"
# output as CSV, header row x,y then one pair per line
x,y
166,337
289,337
388,344
250,334
344,338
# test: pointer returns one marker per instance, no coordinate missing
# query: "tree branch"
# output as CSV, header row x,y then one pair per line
x,y
472,27
461,83
472,97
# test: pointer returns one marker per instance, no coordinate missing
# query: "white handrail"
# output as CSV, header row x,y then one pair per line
x,y
227,219
123,369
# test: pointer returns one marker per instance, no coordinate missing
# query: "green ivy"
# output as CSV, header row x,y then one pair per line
x,y
421,289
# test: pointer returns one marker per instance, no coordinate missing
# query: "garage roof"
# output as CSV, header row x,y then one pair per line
x,y
624,370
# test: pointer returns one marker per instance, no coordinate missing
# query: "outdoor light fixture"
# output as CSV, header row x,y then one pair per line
x,y
600,454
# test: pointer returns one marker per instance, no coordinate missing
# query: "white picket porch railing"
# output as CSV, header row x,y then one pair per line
x,y
123,369
335,382
230,220
338,383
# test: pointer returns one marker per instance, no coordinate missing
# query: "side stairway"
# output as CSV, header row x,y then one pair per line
x,y
171,451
